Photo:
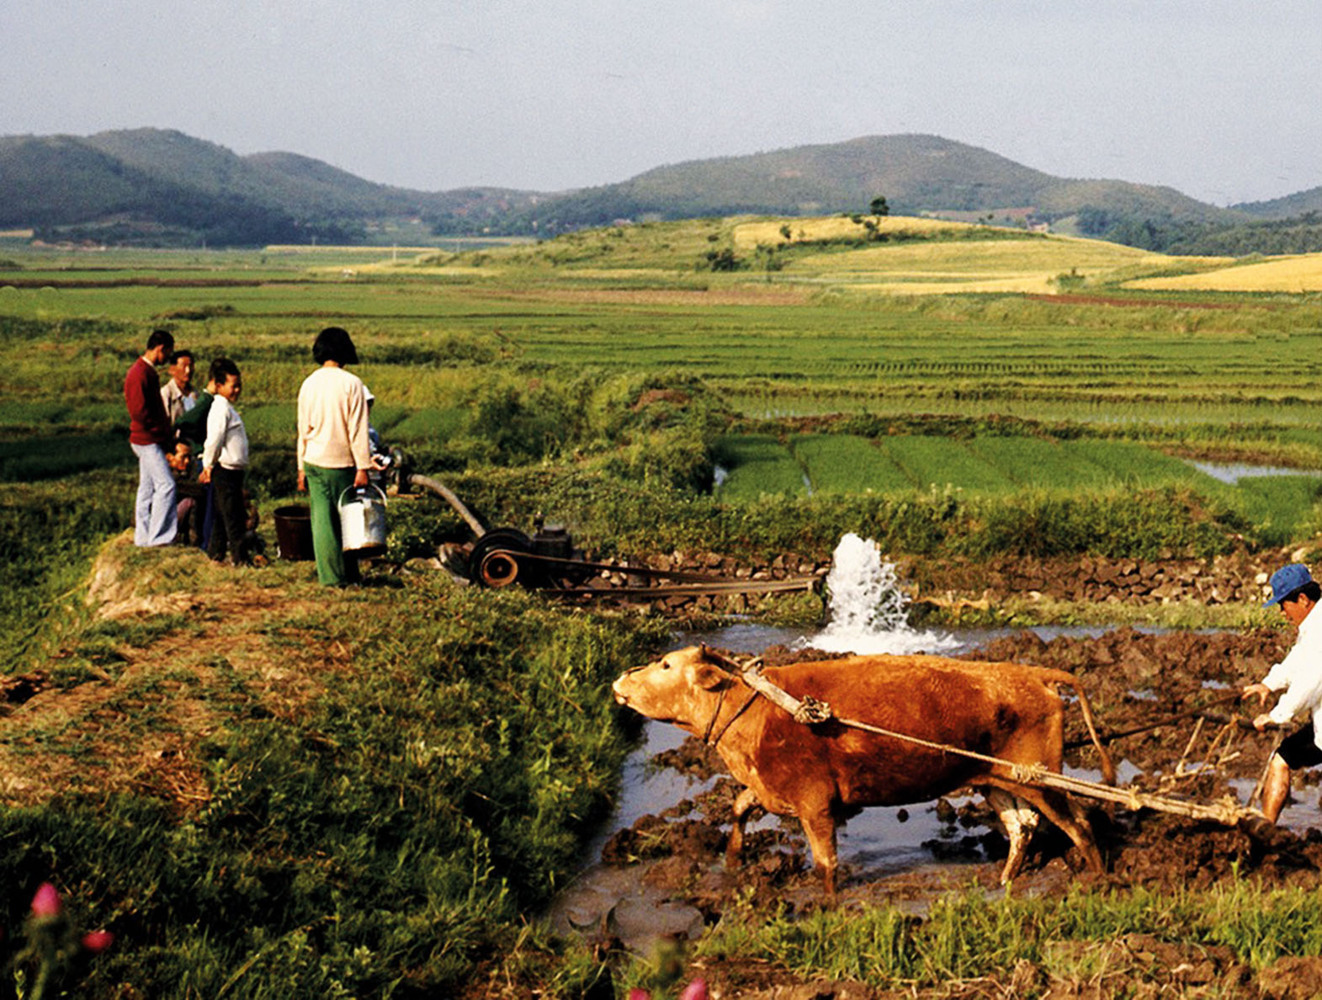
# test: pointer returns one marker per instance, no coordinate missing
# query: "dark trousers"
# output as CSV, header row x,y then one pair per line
x,y
208,517
192,512
231,514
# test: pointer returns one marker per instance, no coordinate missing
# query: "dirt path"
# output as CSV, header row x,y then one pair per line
x,y
125,706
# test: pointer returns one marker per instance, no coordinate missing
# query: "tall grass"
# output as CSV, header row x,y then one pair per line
x,y
48,533
967,936
379,841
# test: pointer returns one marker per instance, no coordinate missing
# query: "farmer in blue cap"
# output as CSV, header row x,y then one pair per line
x,y
1299,678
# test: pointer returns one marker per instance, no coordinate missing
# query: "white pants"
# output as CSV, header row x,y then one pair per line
x,y
156,521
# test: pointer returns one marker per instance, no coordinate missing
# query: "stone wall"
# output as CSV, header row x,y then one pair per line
x,y
1237,578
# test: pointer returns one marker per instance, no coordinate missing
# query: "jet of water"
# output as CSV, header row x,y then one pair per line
x,y
867,610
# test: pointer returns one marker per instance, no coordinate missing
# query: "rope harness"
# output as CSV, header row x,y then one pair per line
x,y
811,711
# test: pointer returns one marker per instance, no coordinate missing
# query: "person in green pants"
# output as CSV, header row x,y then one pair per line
x,y
334,452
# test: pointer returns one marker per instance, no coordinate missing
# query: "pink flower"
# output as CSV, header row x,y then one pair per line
x,y
637,994
98,941
696,990
46,903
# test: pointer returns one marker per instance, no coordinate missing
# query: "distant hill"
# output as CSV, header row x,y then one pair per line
x,y
917,174
161,186
1291,206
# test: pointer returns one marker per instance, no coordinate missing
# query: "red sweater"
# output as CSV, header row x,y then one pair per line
x,y
148,421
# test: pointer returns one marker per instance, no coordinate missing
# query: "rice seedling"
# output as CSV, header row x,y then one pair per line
x,y
842,463
755,465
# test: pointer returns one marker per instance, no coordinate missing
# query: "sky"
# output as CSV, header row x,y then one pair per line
x,y
1220,99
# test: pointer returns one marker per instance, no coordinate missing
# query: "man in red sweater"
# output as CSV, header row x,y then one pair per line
x,y
149,437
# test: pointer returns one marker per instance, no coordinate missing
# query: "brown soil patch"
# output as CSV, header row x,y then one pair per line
x,y
740,296
125,707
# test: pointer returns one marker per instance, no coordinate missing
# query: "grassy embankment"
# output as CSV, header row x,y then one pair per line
x,y
1085,941
598,378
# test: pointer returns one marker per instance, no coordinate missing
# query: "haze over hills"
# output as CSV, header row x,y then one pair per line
x,y
163,187
915,173
158,186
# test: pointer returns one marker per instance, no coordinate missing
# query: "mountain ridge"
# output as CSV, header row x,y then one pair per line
x,y
162,185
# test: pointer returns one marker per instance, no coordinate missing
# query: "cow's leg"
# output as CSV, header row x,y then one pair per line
x,y
743,805
1057,810
1020,820
819,825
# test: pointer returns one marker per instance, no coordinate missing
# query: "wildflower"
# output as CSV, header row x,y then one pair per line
x,y
637,994
46,903
696,990
98,941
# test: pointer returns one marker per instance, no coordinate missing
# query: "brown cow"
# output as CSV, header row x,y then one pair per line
x,y
828,771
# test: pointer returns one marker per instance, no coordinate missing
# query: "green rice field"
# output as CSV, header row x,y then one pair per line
x,y
1107,387
412,768
757,465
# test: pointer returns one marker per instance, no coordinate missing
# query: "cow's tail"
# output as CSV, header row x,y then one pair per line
x,y
1072,682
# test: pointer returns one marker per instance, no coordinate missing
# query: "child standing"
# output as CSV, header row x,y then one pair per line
x,y
224,463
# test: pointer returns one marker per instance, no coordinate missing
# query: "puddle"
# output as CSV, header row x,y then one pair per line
x,y
1232,473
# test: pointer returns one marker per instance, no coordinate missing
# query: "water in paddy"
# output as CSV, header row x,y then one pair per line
x,y
867,614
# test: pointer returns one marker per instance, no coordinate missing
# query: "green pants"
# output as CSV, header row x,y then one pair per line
x,y
335,567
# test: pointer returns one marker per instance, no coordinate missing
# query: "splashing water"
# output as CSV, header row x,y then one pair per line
x,y
868,611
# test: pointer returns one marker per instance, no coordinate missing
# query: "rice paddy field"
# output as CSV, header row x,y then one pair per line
x,y
1102,345
376,792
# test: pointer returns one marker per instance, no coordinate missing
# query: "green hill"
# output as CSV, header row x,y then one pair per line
x,y
1291,206
164,187
157,186
917,174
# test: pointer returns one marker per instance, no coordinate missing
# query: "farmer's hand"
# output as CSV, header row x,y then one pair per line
x,y
302,481
1261,722
204,476
360,478
1260,689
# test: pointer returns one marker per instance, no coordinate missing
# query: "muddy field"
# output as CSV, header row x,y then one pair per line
x,y
1203,752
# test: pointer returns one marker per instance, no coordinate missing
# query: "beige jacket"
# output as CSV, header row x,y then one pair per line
x,y
332,421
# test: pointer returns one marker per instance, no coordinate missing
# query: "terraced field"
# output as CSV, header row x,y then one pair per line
x,y
1299,274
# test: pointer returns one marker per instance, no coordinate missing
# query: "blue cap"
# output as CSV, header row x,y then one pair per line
x,y
1286,580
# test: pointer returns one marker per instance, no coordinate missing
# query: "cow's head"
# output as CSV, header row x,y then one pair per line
x,y
679,687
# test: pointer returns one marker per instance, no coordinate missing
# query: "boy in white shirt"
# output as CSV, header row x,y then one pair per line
x,y
1299,678
224,464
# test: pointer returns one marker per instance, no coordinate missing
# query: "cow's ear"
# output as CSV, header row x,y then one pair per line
x,y
708,677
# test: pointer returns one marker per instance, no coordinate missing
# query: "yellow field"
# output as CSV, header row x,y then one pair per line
x,y
940,257
1032,264
748,235
1302,273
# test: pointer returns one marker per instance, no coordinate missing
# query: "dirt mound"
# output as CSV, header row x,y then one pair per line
x,y
127,704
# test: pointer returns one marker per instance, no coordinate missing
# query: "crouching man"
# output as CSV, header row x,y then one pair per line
x,y
1299,679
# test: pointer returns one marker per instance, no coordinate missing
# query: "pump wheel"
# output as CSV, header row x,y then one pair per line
x,y
494,561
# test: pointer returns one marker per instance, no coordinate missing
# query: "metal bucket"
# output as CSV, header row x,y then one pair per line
x,y
293,532
362,519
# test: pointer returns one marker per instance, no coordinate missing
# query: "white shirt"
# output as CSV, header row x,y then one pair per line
x,y
227,441
332,421
1299,675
